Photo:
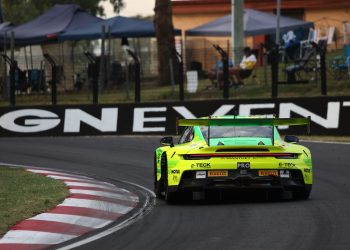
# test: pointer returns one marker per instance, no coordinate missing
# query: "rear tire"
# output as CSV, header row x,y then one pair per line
x,y
158,187
169,197
302,194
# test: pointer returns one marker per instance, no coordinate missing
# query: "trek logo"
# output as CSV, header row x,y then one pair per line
x,y
201,165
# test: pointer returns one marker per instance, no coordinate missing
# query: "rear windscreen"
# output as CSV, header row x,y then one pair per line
x,y
238,131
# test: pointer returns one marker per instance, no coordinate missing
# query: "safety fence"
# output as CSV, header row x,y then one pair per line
x,y
81,77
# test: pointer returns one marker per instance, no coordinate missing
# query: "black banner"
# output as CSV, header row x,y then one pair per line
x,y
329,116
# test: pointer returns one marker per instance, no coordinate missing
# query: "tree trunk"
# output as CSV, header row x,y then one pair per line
x,y
165,39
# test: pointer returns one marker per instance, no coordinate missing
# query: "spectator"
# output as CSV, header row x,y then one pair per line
x,y
243,70
245,67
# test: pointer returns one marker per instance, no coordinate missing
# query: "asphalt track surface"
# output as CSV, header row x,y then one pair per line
x,y
322,222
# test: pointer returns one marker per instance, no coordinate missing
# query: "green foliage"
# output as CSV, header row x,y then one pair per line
x,y
22,11
118,5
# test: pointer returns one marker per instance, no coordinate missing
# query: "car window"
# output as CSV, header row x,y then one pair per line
x,y
237,131
187,135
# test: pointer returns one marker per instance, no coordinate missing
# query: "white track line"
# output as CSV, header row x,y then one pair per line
x,y
34,237
84,184
66,178
327,142
73,219
82,180
95,204
40,171
105,194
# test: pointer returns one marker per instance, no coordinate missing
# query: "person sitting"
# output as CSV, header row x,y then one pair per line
x,y
216,74
245,68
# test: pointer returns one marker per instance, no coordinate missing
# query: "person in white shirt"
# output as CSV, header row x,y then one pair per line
x,y
245,67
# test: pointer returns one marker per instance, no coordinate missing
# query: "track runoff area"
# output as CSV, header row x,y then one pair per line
x,y
93,209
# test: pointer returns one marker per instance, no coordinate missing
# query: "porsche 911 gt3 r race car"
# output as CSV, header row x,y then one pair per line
x,y
230,153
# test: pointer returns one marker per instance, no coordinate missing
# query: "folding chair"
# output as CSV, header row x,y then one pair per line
x,y
340,65
296,72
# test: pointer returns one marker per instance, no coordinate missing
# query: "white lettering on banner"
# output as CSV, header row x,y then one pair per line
x,y
140,119
185,113
48,120
346,104
332,120
107,123
223,110
245,109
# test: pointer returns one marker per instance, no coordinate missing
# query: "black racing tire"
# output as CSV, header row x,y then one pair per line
x,y
169,197
302,194
158,187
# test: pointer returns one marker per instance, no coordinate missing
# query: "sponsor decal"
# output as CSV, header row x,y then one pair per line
x,y
284,173
307,170
286,165
175,171
218,173
268,172
200,165
328,116
201,174
243,165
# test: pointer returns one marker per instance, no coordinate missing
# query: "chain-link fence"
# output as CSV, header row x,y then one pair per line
x,y
78,67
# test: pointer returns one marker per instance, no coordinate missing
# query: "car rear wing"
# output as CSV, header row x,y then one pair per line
x,y
244,122
237,121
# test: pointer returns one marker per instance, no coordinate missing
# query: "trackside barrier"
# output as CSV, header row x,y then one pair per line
x,y
329,116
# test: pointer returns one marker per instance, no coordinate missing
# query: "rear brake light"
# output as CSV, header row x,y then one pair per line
x,y
207,156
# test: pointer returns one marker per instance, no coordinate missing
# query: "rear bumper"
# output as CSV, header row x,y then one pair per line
x,y
237,181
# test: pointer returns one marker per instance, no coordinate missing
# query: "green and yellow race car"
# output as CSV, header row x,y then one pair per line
x,y
230,153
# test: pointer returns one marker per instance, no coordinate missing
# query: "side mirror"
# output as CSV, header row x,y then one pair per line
x,y
291,139
167,141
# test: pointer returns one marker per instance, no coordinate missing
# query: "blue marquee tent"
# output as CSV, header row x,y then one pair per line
x,y
255,23
119,27
4,27
47,27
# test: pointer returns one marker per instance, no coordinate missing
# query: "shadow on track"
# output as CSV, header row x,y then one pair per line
x,y
232,197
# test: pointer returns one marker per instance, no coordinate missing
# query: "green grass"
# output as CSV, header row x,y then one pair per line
x,y
24,194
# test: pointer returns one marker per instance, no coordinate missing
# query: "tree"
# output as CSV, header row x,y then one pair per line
x,y
118,5
22,11
165,39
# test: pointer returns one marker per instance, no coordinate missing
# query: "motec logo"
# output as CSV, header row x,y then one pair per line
x,y
38,120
